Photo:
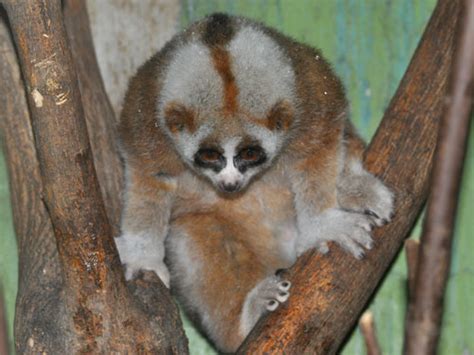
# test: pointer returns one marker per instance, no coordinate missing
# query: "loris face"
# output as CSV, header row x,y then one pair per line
x,y
228,108
229,151
231,165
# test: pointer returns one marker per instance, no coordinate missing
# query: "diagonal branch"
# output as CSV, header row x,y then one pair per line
x,y
426,309
331,290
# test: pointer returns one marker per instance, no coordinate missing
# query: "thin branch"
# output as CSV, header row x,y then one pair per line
x,y
367,327
329,291
411,250
425,312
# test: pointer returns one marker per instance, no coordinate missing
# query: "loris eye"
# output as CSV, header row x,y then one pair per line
x,y
251,154
209,158
250,157
209,155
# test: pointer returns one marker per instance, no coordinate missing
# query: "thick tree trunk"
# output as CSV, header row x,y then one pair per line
x,y
81,303
40,316
330,291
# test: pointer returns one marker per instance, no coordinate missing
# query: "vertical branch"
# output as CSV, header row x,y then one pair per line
x,y
425,312
411,252
367,327
98,112
71,192
40,321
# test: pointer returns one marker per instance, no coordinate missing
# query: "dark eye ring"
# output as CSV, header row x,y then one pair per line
x,y
209,155
250,154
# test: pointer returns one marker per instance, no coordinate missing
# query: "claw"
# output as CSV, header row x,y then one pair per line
x,y
284,286
272,305
372,214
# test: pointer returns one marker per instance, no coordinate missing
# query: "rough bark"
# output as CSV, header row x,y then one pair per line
x,y
93,310
39,314
330,291
98,112
426,309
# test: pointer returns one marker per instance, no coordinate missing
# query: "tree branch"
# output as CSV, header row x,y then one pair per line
x,y
329,291
39,316
367,327
95,312
98,112
426,309
412,248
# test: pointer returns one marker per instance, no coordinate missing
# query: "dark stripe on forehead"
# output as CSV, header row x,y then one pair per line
x,y
222,63
218,31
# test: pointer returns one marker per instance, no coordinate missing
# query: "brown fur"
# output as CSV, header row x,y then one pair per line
x,y
228,236
178,117
235,259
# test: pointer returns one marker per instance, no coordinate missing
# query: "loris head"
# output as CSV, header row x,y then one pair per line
x,y
227,101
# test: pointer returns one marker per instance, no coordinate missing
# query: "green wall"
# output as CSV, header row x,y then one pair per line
x,y
370,43
8,254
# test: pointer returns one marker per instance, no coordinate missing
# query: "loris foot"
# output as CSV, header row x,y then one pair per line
x,y
266,296
359,191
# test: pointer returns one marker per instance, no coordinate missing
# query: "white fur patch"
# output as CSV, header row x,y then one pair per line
x,y
230,174
191,79
187,142
271,141
142,251
263,74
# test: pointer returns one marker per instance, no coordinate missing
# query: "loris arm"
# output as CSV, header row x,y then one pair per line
x,y
145,222
319,216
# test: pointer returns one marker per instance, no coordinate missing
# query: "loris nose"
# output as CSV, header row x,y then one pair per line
x,y
231,187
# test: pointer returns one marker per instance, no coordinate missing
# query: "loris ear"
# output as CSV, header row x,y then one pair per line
x,y
179,118
280,116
